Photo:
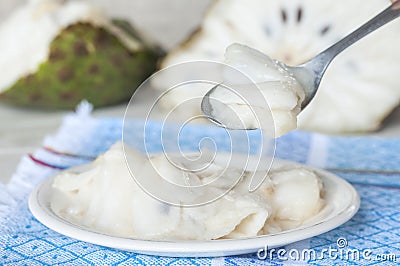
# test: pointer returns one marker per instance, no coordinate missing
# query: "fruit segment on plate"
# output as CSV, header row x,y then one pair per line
x,y
56,53
107,198
359,89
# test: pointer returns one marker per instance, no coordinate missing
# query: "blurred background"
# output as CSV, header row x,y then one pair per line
x,y
22,129
166,23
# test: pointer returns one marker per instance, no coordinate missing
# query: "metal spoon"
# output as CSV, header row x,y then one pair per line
x,y
310,73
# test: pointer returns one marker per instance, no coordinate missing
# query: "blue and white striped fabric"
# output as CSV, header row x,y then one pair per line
x,y
371,164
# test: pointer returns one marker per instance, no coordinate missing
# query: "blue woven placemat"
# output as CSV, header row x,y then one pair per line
x,y
371,164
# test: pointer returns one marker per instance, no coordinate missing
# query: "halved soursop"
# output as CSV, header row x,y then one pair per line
x,y
360,87
56,53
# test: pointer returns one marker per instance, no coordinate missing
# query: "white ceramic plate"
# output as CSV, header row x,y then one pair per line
x,y
342,202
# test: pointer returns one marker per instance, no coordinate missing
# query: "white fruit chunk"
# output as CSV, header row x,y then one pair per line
x,y
270,89
106,198
296,194
358,90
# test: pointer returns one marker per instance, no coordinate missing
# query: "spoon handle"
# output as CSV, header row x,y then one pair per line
x,y
322,60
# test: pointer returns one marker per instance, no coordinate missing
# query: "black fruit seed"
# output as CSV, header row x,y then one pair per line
x,y
299,14
325,30
283,15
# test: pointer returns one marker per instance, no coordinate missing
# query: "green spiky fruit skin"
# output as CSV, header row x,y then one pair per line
x,y
85,62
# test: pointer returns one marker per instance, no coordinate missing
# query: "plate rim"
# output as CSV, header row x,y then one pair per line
x,y
194,248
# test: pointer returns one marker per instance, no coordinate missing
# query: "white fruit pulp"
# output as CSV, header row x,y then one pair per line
x,y
265,96
106,198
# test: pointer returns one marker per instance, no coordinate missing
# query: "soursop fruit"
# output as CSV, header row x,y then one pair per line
x,y
360,87
56,53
